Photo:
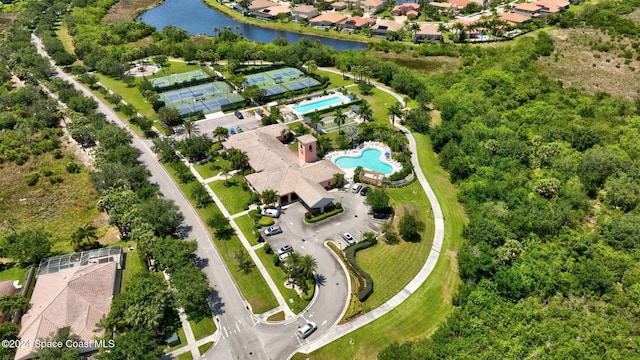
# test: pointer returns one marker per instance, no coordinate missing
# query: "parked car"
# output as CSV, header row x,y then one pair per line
x,y
285,249
307,329
274,213
238,114
232,131
283,257
272,230
364,190
348,238
239,130
356,188
381,215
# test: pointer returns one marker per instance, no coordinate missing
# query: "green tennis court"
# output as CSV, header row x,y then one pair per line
x,y
279,81
208,98
171,80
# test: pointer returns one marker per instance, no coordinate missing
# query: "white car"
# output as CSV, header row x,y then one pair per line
x,y
348,238
306,330
285,249
274,213
283,257
356,188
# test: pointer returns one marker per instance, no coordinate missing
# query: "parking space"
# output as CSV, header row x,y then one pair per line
x,y
248,122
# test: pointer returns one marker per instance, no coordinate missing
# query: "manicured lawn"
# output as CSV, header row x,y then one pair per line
x,y
134,263
205,170
185,356
294,146
379,102
203,328
336,80
59,208
245,223
392,266
204,348
426,309
129,94
13,273
252,286
66,40
234,197
175,67
278,277
279,316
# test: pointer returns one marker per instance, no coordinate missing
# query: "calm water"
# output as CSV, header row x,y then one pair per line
x,y
197,18
369,159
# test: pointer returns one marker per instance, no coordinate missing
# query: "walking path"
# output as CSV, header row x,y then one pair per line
x,y
438,237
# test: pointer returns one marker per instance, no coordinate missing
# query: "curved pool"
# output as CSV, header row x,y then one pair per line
x,y
368,159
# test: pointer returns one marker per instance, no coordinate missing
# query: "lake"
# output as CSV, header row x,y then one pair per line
x,y
197,18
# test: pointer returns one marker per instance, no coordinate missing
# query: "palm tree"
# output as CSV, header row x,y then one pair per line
x,y
269,196
307,265
225,169
248,55
221,133
260,56
394,110
311,66
238,159
84,232
340,118
237,27
190,127
414,28
216,30
314,119
365,111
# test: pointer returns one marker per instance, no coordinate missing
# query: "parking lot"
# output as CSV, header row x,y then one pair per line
x,y
249,122
297,232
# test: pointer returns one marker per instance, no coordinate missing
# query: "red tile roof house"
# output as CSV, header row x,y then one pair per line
x,y
339,5
257,5
513,18
304,12
327,20
356,23
76,297
548,7
403,9
526,9
272,12
427,32
373,6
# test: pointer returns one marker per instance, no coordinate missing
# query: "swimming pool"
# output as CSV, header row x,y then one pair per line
x,y
318,104
368,159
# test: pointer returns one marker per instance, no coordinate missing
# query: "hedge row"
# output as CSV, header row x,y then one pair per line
x,y
364,290
323,216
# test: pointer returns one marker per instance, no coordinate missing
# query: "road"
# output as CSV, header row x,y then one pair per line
x,y
242,335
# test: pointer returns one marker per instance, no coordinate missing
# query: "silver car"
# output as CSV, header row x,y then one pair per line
x,y
348,238
306,330
272,230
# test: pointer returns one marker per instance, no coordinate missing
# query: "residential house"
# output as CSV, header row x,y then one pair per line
x,y
372,6
339,5
304,12
403,9
327,20
356,23
75,291
527,9
514,19
257,5
382,27
7,288
272,12
459,4
548,7
294,176
427,32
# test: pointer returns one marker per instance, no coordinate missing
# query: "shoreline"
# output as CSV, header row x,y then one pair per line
x,y
331,34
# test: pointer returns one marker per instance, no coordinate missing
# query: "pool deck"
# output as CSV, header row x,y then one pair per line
x,y
332,156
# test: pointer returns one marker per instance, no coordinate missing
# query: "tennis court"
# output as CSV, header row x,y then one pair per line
x,y
280,81
207,98
170,80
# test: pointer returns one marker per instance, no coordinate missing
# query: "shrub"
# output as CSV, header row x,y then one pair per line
x,y
276,260
365,289
255,215
308,215
55,179
267,249
72,167
255,198
308,295
338,205
46,171
32,179
266,221
312,219
57,154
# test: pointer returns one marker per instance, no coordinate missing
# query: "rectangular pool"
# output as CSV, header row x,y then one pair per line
x,y
318,104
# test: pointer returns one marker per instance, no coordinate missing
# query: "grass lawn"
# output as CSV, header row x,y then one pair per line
x,y
279,316
129,94
183,340
425,310
134,263
392,266
205,347
294,146
175,67
58,208
205,170
252,285
134,127
13,273
245,223
379,102
185,356
234,197
278,277
336,80
203,328
66,40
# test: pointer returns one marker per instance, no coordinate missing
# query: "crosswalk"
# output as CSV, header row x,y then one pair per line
x,y
238,326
